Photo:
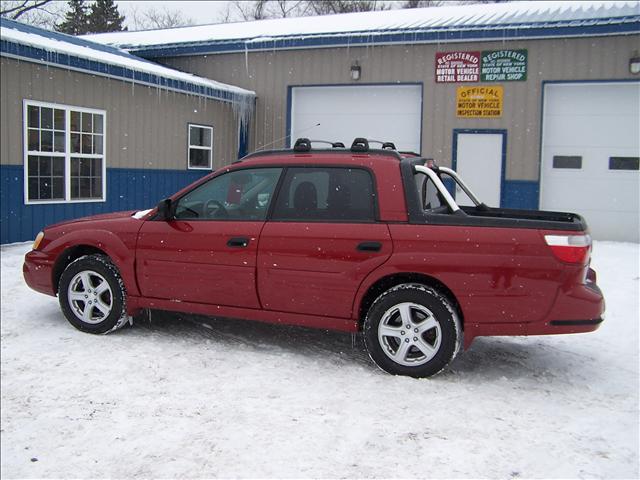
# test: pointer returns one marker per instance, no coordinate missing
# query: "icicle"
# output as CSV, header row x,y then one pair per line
x,y
246,58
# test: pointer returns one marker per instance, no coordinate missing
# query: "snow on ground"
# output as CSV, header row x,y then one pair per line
x,y
181,397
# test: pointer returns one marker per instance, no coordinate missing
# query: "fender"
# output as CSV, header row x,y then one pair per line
x,y
123,256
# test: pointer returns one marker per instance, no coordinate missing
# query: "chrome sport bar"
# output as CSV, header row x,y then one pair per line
x,y
462,185
453,206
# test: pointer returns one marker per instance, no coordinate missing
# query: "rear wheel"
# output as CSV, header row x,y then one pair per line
x,y
412,330
92,295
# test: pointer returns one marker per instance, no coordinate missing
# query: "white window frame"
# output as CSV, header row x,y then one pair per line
x,y
26,103
199,147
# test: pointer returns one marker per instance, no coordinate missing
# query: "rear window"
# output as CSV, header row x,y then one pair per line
x,y
326,194
430,198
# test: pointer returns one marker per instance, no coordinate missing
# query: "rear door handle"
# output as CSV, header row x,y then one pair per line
x,y
369,246
241,242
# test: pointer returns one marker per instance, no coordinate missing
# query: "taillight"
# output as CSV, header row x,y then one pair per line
x,y
570,248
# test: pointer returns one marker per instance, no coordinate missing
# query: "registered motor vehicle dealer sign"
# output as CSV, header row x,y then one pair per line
x,y
479,102
454,67
504,66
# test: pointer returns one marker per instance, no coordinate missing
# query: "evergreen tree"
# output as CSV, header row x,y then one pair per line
x,y
105,17
76,20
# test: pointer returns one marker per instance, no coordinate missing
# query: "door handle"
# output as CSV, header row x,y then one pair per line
x,y
369,246
238,242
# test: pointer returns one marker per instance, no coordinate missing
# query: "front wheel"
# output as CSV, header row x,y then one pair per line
x,y
92,295
412,330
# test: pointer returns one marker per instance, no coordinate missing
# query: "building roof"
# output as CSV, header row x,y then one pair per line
x,y
498,21
34,44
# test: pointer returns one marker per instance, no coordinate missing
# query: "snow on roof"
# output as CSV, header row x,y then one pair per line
x,y
25,41
510,19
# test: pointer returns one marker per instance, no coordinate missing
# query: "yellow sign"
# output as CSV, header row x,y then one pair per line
x,y
479,102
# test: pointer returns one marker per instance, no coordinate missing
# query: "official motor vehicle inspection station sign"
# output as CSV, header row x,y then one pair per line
x,y
455,67
504,65
479,102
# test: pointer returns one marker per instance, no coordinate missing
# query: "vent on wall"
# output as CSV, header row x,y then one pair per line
x,y
567,161
624,163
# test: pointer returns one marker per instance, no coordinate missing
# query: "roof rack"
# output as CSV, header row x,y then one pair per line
x,y
385,145
304,144
360,145
333,144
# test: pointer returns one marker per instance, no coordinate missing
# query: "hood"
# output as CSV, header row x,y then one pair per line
x,y
102,216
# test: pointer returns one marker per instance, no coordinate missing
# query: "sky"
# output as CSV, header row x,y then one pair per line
x,y
201,12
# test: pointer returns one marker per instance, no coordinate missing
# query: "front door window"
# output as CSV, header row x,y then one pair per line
x,y
239,195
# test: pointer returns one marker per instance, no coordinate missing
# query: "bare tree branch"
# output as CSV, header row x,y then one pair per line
x,y
15,11
13,6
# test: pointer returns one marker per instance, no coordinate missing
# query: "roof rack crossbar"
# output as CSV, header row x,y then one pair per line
x,y
327,142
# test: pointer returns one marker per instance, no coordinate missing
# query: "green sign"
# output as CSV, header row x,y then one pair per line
x,y
504,66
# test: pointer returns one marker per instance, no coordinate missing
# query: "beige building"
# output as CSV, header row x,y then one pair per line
x,y
536,104
89,129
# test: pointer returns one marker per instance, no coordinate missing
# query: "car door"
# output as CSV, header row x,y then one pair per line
x,y
321,242
207,252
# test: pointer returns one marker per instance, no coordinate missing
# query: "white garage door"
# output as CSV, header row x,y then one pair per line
x,y
590,150
390,113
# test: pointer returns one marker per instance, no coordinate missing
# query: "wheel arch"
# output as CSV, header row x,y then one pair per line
x,y
391,280
69,255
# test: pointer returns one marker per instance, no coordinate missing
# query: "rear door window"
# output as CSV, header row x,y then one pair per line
x,y
326,194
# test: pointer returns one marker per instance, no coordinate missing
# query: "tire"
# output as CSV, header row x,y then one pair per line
x,y
429,344
92,295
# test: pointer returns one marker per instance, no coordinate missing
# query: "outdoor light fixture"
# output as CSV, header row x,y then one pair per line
x,y
634,64
355,71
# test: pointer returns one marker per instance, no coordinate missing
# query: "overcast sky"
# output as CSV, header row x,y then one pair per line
x,y
200,12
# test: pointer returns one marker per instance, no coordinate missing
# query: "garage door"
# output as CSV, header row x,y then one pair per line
x,y
341,113
590,150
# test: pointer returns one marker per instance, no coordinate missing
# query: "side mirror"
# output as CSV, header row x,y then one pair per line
x,y
165,212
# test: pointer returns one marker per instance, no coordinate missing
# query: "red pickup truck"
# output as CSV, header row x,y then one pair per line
x,y
351,239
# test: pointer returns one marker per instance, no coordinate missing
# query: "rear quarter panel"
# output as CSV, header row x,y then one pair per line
x,y
498,275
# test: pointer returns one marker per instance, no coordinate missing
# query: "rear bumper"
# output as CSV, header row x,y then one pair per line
x,y
575,323
579,309
37,271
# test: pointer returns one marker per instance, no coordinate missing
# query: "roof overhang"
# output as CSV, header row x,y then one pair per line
x,y
28,43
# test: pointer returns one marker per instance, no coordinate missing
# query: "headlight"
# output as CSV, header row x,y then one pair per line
x,y
36,242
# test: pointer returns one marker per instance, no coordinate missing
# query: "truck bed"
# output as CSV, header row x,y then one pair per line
x,y
508,218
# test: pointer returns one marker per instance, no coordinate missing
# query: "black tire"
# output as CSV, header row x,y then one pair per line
x,y
92,295
424,349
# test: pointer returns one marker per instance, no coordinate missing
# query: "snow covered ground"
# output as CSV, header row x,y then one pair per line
x,y
193,397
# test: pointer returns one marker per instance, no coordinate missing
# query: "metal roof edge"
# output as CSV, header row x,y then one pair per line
x,y
600,27
33,54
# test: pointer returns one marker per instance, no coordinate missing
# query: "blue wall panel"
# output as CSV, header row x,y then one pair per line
x,y
522,194
127,189
137,189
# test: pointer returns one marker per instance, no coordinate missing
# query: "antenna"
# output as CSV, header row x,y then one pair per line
x,y
286,136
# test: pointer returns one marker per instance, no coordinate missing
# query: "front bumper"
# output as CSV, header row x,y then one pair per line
x,y
38,272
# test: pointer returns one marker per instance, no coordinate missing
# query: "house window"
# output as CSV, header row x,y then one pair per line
x,y
64,153
200,147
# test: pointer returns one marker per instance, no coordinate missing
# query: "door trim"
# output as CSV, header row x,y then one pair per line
x,y
491,131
